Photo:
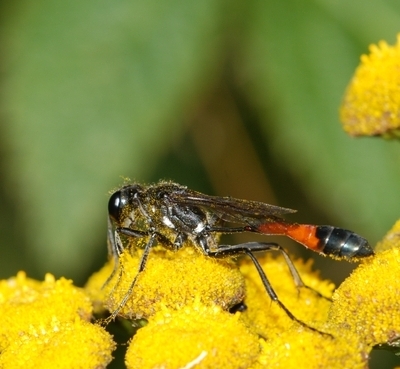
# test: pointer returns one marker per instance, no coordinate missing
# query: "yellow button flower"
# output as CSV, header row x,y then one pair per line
x,y
195,336
48,322
170,279
371,105
185,297
367,303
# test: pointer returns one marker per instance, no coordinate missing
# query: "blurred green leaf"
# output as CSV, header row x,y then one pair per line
x,y
91,93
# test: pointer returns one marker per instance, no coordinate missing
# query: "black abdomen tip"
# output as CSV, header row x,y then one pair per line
x,y
343,243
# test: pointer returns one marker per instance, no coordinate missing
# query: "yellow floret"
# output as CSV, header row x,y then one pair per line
x,y
171,279
195,336
367,303
371,104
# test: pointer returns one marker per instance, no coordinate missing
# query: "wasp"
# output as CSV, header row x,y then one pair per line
x,y
171,214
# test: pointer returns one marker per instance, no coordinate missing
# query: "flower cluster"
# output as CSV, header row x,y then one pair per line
x,y
371,104
186,297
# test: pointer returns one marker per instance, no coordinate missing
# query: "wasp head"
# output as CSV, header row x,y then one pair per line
x,y
121,202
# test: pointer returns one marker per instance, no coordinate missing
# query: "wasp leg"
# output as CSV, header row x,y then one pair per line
x,y
248,249
138,234
274,296
135,233
142,265
230,229
270,246
115,257
116,248
261,246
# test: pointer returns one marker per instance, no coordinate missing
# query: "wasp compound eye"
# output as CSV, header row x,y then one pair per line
x,y
121,198
115,205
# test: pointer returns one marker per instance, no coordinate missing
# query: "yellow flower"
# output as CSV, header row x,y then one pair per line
x,y
367,303
94,287
170,279
371,104
76,344
47,322
197,335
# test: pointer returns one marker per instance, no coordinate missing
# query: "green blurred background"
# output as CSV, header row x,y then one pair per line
x,y
228,97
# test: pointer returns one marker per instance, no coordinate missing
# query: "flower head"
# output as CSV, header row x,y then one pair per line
x,y
371,104
203,335
48,322
171,279
367,303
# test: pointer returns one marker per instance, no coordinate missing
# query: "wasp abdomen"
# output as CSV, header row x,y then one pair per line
x,y
342,243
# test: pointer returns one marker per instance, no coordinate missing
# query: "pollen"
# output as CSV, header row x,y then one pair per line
x,y
371,105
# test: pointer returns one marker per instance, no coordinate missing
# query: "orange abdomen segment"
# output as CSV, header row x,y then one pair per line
x,y
301,233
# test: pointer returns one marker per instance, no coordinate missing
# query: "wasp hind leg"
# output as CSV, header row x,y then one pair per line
x,y
248,249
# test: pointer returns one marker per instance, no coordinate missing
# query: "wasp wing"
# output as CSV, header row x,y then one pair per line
x,y
232,209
